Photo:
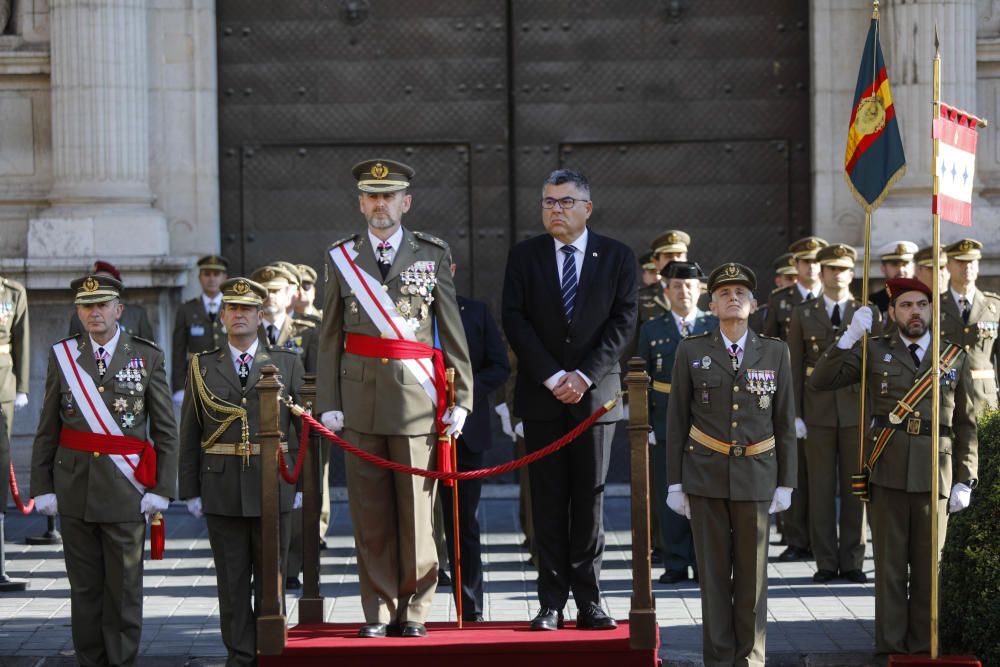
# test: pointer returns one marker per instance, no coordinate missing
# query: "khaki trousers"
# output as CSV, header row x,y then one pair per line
x,y
730,546
831,458
393,519
901,540
795,521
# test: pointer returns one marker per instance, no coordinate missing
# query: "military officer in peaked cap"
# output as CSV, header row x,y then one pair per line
x,y
785,275
923,262
730,462
220,469
389,297
197,326
277,328
970,317
668,247
303,302
899,478
897,262
14,368
827,423
105,480
134,319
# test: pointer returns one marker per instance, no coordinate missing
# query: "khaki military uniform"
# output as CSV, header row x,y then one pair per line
x,y
194,331
831,446
102,528
298,336
979,338
730,494
901,479
389,414
230,485
14,366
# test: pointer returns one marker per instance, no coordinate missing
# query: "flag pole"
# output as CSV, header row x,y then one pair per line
x,y
935,353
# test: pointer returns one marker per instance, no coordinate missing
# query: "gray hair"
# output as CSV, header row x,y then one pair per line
x,y
561,176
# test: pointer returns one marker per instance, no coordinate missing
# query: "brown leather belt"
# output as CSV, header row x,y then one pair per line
x,y
730,449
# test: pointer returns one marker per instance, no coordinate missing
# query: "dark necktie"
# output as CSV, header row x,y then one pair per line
x,y
568,280
244,369
272,334
835,315
211,316
384,258
685,330
913,353
734,357
966,309
102,366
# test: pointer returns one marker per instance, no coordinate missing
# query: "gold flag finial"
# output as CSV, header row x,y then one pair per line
x,y
937,42
875,9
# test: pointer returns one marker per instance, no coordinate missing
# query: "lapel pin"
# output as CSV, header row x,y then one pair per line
x,y
706,362
595,254
887,357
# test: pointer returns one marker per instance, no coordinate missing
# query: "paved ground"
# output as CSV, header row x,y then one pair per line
x,y
808,623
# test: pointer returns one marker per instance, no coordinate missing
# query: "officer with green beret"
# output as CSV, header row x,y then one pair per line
x,y
390,300
197,326
731,462
220,463
104,459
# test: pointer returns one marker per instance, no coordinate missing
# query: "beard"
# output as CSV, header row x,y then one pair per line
x,y
914,328
381,221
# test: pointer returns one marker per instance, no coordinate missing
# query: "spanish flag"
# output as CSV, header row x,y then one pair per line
x,y
874,158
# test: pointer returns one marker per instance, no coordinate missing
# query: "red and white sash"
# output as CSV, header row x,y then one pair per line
x,y
381,310
92,407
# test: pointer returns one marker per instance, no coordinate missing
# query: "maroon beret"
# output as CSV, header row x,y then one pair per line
x,y
100,266
897,286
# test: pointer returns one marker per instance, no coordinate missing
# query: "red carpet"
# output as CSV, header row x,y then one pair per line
x,y
498,644
925,661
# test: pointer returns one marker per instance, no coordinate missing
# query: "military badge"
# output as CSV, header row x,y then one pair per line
x,y
870,117
121,404
90,285
128,420
883,388
696,363
138,405
706,362
887,357
138,387
6,308
762,383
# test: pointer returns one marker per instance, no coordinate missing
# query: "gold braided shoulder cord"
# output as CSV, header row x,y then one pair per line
x,y
209,401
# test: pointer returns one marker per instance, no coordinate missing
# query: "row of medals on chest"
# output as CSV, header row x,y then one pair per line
x,y
761,382
414,283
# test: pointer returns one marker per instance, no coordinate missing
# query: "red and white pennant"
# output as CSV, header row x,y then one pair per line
x,y
955,132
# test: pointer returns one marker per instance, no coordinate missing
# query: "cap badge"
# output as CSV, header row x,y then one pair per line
x,y
672,238
241,287
379,170
965,246
90,285
840,251
731,270
901,249
267,275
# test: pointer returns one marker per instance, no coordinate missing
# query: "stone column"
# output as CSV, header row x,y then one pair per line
x,y
101,201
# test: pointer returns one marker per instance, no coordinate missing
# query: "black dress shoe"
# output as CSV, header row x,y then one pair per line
x,y
674,576
547,619
473,618
592,617
372,630
412,629
855,576
322,543
656,557
824,576
292,584
444,579
794,553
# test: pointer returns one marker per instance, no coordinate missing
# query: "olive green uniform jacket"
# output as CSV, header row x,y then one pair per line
x,y
194,331
979,338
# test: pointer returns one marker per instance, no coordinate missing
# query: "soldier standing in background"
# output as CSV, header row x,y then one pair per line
x,y
897,262
197,327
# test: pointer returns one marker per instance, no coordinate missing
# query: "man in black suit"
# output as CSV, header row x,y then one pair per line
x,y
490,369
569,310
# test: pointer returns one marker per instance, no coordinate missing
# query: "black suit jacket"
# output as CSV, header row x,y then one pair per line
x,y
490,369
604,321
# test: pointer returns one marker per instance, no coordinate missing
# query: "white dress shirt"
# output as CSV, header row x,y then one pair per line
x,y
212,304
741,343
689,320
235,353
958,297
830,303
806,294
278,323
924,343
110,346
395,241
580,243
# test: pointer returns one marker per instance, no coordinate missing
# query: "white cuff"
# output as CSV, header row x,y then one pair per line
x,y
551,382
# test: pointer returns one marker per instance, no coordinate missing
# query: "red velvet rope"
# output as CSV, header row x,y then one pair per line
x,y
293,478
309,422
25,509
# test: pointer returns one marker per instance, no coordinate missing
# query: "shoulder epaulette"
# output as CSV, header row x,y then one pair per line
x,y
70,337
992,295
779,289
276,348
146,341
770,338
430,238
698,335
343,241
304,322
208,352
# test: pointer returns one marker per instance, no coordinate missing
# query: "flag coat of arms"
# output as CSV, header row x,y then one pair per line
x,y
954,131
874,159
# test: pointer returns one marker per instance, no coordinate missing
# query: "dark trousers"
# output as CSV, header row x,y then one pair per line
x,y
104,566
237,552
674,529
567,506
468,525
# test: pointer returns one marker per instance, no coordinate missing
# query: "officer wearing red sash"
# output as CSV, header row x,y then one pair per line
x,y
105,459
389,299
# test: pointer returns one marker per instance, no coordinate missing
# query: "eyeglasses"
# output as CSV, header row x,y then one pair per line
x,y
565,203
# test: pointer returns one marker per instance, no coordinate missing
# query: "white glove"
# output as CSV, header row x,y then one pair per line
x,y
800,429
194,507
505,424
152,503
455,419
652,438
782,500
297,502
677,500
178,397
519,430
47,504
625,412
20,400
333,420
961,494
861,323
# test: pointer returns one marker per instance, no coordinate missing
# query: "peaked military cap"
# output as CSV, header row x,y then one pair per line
x,y
838,254
291,269
807,248
732,273
683,271
307,273
213,263
784,265
272,277
96,289
243,291
898,251
673,240
646,262
924,257
897,286
382,175
965,250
